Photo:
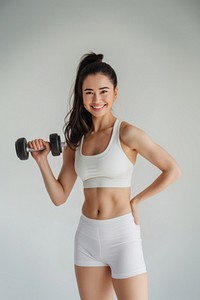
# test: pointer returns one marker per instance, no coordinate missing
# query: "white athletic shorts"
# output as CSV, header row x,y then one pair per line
x,y
112,242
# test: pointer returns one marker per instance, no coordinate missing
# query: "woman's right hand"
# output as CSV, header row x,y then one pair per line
x,y
37,145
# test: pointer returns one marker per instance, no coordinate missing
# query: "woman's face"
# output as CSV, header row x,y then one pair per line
x,y
98,94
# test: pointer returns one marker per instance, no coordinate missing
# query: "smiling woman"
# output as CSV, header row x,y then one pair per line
x,y
98,93
88,89
102,150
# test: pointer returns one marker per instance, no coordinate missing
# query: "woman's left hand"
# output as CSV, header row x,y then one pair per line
x,y
134,207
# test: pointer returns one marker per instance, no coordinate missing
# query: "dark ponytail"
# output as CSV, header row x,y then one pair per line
x,y
78,121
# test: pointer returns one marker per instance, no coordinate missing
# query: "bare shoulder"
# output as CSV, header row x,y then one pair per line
x,y
132,135
140,141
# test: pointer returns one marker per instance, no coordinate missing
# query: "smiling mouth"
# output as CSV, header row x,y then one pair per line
x,y
98,107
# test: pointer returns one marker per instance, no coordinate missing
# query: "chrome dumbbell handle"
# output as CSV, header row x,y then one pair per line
x,y
34,150
63,144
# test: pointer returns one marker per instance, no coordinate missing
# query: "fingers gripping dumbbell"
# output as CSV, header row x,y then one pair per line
x,y
22,149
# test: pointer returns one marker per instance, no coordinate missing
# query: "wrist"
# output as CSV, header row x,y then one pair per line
x,y
136,200
42,162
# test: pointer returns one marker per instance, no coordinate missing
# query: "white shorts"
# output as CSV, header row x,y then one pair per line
x,y
112,242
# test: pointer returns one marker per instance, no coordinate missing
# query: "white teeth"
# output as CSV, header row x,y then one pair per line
x,y
98,107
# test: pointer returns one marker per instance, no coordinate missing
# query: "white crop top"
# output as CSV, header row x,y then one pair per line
x,y
110,168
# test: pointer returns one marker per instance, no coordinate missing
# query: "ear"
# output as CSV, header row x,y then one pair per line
x,y
116,92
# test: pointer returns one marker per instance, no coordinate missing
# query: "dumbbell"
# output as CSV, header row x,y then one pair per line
x,y
22,149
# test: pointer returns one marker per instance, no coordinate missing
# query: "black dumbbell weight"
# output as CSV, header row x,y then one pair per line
x,y
22,149
55,144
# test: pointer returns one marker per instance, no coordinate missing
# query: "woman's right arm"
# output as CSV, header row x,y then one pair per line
x,y
58,189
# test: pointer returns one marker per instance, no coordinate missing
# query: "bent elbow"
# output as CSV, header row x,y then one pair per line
x,y
177,172
56,203
59,202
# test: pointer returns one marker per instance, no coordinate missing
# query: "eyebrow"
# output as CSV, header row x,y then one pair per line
x,y
105,87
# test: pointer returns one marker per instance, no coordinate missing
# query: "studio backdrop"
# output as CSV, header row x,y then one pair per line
x,y
154,48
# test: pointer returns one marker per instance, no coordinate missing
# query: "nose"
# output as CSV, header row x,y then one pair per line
x,y
96,98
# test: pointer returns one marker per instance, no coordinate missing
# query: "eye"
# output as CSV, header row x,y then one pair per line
x,y
88,93
104,91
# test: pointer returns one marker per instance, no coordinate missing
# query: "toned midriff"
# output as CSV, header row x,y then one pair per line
x,y
106,203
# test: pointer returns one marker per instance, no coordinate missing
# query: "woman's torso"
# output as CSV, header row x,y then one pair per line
x,y
106,202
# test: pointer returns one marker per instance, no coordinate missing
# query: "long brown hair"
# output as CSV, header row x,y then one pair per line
x,y
78,120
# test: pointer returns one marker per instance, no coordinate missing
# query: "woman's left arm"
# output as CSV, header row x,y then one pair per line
x,y
139,141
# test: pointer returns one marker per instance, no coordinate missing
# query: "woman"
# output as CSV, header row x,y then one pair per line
x,y
102,150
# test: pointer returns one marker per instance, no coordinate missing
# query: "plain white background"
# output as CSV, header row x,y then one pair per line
x,y
154,48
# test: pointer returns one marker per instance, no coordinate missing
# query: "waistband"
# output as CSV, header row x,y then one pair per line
x,y
107,182
102,223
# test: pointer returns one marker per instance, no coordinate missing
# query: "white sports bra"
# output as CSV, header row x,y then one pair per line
x,y
110,168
